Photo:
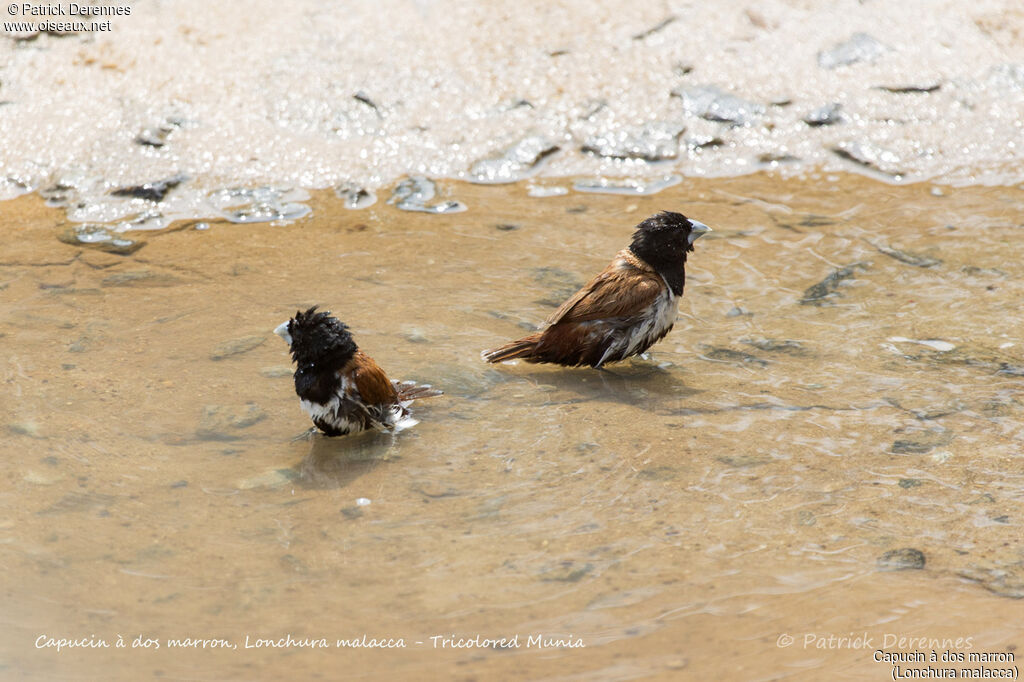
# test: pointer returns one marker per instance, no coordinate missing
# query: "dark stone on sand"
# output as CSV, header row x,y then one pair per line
x,y
251,414
995,361
27,428
775,158
860,47
828,288
699,141
355,196
714,104
365,99
824,116
1011,370
927,414
976,271
220,422
869,156
78,502
730,355
58,194
566,572
907,483
506,227
662,473
1005,581
997,407
562,284
152,137
352,512
903,559
156,136
907,257
180,484
910,89
237,346
742,461
151,191
921,443
787,346
903,447
34,35
813,220
435,492
654,29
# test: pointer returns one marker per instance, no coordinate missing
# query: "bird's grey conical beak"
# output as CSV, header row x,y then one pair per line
x,y
282,331
699,229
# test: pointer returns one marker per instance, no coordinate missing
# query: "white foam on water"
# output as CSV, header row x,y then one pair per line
x,y
308,94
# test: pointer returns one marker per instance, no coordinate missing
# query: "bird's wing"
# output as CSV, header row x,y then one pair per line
x,y
619,291
371,382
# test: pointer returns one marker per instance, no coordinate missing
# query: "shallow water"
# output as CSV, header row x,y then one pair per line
x,y
677,514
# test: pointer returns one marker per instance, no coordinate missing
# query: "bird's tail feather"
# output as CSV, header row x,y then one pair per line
x,y
523,348
410,390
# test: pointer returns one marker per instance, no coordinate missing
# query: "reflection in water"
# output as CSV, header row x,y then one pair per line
x,y
640,383
337,462
793,429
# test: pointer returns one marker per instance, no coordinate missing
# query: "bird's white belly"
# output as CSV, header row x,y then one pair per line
x,y
643,332
331,413
390,418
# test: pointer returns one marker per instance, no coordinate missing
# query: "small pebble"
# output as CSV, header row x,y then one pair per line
x,y
27,428
903,559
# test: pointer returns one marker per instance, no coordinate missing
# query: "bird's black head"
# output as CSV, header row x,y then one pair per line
x,y
316,338
663,240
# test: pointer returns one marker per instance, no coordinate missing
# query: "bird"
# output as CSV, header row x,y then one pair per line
x,y
340,387
625,309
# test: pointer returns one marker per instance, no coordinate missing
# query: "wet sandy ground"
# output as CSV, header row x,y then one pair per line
x,y
677,515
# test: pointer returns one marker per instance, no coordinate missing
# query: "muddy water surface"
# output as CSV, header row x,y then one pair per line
x,y
846,381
